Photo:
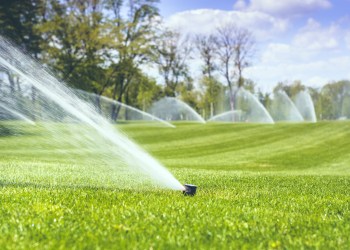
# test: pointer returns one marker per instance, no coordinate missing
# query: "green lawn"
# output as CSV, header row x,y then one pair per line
x,y
259,186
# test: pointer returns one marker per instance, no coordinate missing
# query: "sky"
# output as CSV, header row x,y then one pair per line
x,y
306,40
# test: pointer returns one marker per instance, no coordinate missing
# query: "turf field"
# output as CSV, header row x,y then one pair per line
x,y
259,186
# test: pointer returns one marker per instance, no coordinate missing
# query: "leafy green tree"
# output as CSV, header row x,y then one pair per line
x,y
189,94
211,98
18,20
334,100
99,45
290,89
143,92
264,98
249,85
75,42
328,108
345,108
172,53
133,34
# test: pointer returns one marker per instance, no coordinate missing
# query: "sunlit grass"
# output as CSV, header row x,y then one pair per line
x,y
259,186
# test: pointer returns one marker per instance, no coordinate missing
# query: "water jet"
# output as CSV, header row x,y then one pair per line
x,y
74,124
247,108
104,106
282,108
173,109
303,102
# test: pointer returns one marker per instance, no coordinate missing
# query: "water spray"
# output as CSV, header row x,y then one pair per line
x,y
190,190
96,133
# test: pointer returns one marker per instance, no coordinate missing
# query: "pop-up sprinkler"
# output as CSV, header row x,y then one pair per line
x,y
189,189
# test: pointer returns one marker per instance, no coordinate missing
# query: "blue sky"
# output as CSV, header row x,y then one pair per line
x,y
307,40
169,7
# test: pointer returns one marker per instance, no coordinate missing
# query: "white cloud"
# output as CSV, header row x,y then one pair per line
x,y
315,55
282,7
315,37
206,20
286,62
313,74
282,53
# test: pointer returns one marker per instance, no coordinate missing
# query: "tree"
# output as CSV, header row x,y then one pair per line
x,y
334,100
249,85
133,36
75,42
207,50
172,53
212,91
264,98
18,20
99,45
189,94
143,92
206,47
235,49
290,89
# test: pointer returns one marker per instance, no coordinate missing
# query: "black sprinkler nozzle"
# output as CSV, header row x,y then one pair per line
x,y
189,190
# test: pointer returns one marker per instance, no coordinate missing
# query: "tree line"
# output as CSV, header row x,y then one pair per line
x,y
104,47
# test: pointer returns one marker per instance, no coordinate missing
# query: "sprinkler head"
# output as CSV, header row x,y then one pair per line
x,y
189,189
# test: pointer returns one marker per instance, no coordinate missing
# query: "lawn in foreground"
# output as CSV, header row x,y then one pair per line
x,y
282,186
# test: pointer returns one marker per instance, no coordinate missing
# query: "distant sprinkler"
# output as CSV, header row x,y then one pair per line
x,y
189,190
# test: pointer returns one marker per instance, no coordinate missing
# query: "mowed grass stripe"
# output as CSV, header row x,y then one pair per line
x,y
218,146
259,147
233,139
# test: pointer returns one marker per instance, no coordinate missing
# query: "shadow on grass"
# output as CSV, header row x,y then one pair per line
x,y
8,130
